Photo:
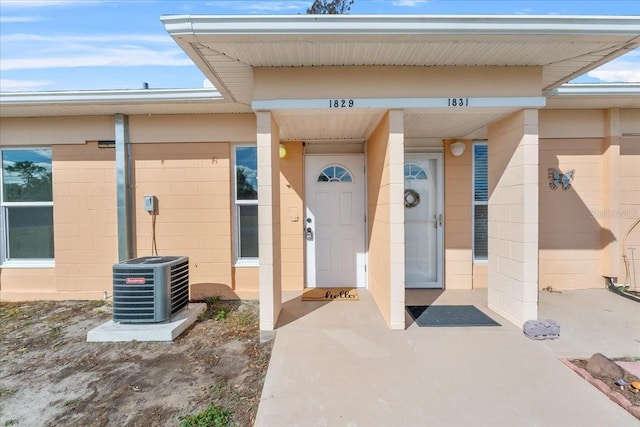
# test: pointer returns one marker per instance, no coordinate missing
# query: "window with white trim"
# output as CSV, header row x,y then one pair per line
x,y
246,204
480,200
26,206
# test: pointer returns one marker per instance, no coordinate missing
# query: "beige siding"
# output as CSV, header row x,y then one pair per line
x,y
458,256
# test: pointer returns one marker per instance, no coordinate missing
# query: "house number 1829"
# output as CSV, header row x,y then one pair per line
x,y
341,103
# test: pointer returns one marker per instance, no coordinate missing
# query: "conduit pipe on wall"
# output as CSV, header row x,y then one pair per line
x,y
123,191
627,279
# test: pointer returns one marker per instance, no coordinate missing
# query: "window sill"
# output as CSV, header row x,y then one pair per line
x,y
241,263
480,261
28,264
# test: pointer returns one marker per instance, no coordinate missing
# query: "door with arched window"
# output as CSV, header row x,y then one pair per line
x,y
423,220
334,220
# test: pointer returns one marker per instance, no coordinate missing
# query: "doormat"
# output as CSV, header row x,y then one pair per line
x,y
449,316
330,294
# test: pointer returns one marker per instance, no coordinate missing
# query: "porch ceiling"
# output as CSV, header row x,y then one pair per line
x,y
358,125
228,48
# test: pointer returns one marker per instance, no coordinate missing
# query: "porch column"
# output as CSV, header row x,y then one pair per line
x,y
396,217
610,223
268,140
513,217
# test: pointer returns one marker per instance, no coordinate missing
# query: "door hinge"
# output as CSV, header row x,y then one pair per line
x,y
365,268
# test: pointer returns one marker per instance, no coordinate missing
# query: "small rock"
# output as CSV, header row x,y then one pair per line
x,y
601,365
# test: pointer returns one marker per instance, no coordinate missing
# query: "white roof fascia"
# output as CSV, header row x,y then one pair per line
x,y
597,89
265,25
110,96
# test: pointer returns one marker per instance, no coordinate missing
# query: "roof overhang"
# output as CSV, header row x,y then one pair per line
x,y
228,48
109,102
594,96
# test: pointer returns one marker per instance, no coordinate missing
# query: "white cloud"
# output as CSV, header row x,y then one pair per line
x,y
408,3
625,69
97,38
16,4
124,57
262,6
8,85
19,19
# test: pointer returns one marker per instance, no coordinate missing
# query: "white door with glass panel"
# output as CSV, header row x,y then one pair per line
x,y
423,220
334,220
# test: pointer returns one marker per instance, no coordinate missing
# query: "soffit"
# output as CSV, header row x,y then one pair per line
x,y
227,49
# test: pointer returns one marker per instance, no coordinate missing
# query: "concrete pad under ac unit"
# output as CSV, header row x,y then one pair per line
x,y
165,331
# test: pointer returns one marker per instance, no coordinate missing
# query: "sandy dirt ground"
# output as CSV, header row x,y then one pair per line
x,y
50,375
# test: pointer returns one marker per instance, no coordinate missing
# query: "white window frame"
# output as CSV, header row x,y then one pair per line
x,y
475,202
4,224
238,260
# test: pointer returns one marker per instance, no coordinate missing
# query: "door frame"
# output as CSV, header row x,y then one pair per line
x,y
439,158
363,281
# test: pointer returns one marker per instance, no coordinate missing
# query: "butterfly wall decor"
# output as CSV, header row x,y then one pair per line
x,y
557,178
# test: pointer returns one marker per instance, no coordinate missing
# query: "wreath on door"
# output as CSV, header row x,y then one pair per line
x,y
411,198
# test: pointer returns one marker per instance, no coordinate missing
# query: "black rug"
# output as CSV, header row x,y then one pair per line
x,y
449,316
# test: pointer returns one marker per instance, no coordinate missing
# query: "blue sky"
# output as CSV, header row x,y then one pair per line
x,y
89,44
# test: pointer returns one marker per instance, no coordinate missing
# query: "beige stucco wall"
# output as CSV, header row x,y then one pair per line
x,y
570,242
458,256
394,82
292,216
192,184
513,216
45,131
379,271
629,210
581,229
192,128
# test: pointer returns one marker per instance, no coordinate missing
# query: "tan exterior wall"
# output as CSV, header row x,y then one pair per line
x,y
570,242
292,216
572,124
43,131
379,272
394,82
193,128
629,211
458,255
192,184
513,217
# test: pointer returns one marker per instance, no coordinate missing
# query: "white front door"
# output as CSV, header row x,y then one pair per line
x,y
423,220
334,220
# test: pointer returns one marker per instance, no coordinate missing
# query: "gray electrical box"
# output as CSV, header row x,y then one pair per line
x,y
150,204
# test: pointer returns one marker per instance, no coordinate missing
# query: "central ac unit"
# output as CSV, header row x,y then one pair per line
x,y
150,289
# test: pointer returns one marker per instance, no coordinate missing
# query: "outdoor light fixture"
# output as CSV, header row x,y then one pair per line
x,y
283,151
457,148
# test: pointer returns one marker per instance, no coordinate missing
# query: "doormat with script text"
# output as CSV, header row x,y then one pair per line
x,y
330,294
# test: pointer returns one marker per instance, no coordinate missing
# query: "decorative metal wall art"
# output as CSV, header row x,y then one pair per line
x,y
557,178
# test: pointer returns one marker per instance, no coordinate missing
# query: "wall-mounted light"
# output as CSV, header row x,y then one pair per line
x,y
283,151
457,148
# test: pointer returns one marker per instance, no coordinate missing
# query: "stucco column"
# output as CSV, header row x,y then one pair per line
x,y
513,217
396,218
268,140
611,251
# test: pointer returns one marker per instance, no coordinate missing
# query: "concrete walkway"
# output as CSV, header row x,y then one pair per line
x,y
338,364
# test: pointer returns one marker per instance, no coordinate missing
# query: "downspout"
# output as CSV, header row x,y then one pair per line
x,y
123,190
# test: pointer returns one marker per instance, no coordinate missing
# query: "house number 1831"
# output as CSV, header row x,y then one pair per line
x,y
341,103
458,102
